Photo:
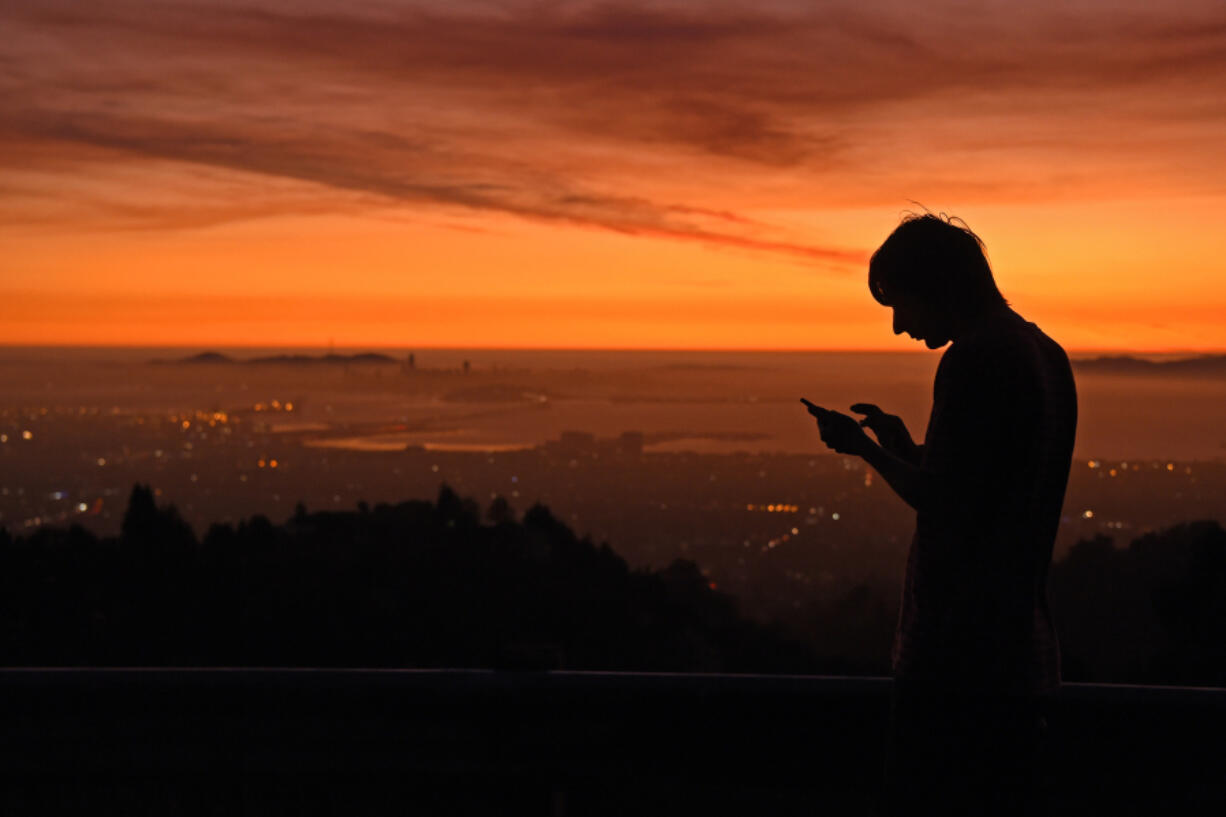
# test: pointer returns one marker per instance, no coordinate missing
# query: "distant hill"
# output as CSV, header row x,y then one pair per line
x,y
1199,366
366,358
203,357
328,359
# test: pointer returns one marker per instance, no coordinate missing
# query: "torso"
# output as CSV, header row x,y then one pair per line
x,y
974,609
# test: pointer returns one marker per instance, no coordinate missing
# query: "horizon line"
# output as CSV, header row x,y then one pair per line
x,y
597,349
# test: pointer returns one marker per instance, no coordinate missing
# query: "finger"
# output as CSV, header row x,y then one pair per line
x,y
814,409
870,409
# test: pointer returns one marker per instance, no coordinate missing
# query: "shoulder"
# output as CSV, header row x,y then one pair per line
x,y
987,351
1014,343
1004,361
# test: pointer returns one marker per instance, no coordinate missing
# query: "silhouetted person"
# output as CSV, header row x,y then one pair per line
x,y
975,651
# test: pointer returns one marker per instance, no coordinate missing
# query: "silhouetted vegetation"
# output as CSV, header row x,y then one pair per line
x,y
446,584
1153,612
415,584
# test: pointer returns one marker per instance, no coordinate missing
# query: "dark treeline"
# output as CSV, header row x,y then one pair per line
x,y
417,584
422,584
1153,612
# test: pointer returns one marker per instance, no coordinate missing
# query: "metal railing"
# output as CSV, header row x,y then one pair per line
x,y
362,741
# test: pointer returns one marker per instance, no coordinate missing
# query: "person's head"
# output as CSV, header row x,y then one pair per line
x,y
933,272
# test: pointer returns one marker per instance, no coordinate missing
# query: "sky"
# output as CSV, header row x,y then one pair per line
x,y
621,174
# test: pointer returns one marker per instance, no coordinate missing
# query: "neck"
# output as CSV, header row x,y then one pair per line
x,y
984,318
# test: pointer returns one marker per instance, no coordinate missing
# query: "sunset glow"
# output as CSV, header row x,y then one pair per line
x,y
610,175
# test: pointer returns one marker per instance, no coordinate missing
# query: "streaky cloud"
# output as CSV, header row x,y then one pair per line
x,y
397,177
645,119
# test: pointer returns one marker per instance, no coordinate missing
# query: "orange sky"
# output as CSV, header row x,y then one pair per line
x,y
614,174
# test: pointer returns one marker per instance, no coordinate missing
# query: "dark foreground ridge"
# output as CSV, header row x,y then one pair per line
x,y
439,584
520,607
417,584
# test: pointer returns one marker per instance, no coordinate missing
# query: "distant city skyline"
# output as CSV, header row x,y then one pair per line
x,y
607,175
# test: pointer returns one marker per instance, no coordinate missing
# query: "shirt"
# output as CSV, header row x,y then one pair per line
x,y
999,445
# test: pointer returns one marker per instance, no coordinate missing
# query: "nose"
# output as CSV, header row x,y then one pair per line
x,y
898,327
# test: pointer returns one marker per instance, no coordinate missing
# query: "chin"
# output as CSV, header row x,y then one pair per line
x,y
935,343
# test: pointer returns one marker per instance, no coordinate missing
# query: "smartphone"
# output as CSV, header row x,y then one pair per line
x,y
814,409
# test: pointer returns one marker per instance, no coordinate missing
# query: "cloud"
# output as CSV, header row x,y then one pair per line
x,y
398,172
647,119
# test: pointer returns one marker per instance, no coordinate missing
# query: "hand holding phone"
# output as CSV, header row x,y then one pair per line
x,y
838,431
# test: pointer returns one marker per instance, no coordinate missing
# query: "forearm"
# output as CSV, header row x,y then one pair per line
x,y
905,450
918,488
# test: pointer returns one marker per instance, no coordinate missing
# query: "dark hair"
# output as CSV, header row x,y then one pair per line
x,y
937,259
